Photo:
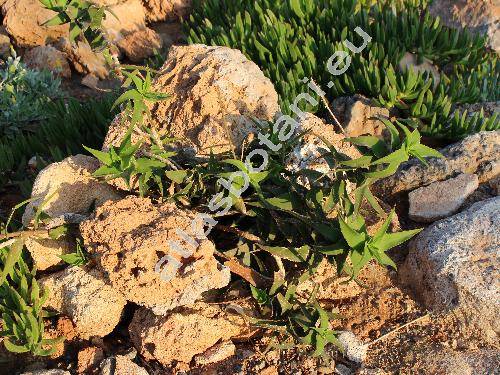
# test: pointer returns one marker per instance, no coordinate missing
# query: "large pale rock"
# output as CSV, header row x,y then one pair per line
x,y
454,264
181,335
68,187
470,362
216,94
140,44
162,10
121,365
357,116
94,307
123,18
129,237
479,16
23,20
441,199
47,57
477,154
45,251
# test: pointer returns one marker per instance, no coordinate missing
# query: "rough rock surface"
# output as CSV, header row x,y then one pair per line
x,y
185,333
454,264
129,237
47,57
216,92
125,17
441,199
354,349
356,114
471,362
45,251
121,365
89,359
488,108
161,10
140,44
70,187
479,16
216,353
477,154
94,307
23,20
84,60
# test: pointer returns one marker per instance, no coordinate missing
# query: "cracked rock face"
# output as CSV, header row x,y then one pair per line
x,y
185,333
477,154
94,307
216,92
454,264
129,237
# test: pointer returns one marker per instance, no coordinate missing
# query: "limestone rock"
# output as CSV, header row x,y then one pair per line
x,y
89,359
471,362
47,57
216,353
410,61
354,349
454,263
477,154
84,60
140,44
185,333
94,307
23,20
488,108
132,237
121,365
162,10
70,187
357,116
124,17
441,199
216,94
45,251
479,16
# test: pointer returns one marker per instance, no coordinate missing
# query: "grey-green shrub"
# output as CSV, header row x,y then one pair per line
x,y
24,93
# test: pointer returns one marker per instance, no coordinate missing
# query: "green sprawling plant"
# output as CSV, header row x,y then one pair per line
x,y
282,229
24,95
293,39
21,302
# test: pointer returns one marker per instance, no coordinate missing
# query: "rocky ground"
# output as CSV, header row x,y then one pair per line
x,y
438,313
